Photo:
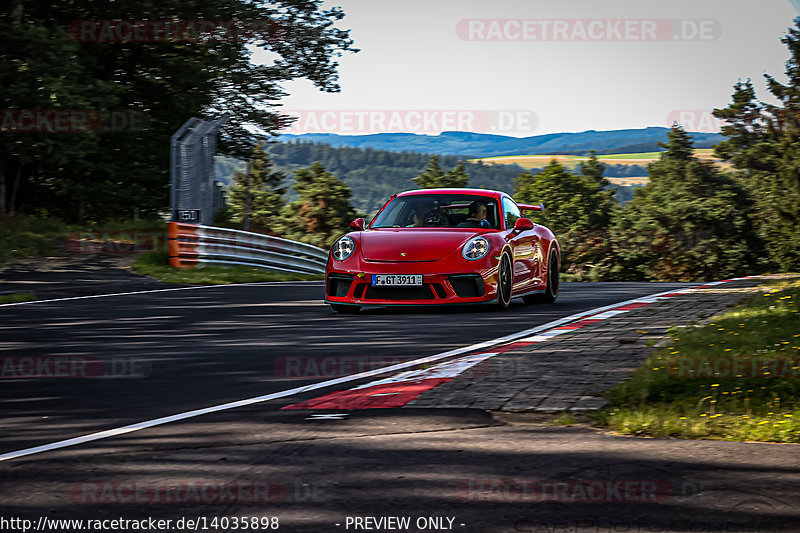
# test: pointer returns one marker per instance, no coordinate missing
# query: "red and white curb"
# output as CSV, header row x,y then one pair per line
x,y
394,391
400,389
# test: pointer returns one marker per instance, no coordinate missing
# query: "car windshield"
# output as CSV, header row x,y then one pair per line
x,y
439,211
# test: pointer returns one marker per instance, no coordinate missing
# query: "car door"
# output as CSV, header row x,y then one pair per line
x,y
524,244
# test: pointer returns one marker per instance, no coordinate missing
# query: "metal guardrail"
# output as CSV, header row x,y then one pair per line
x,y
192,244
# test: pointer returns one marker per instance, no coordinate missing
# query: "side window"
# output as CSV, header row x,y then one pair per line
x,y
511,211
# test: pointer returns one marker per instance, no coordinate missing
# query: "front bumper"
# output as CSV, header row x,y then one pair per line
x,y
346,286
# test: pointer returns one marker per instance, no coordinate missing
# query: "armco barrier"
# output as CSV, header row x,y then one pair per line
x,y
191,244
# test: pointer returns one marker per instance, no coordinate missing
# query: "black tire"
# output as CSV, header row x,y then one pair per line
x,y
505,281
346,309
553,281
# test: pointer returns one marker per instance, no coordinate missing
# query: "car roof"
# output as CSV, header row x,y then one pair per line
x,y
478,192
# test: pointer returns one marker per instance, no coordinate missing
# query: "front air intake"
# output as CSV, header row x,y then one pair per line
x,y
338,285
467,285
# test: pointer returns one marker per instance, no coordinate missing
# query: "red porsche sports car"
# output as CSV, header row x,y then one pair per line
x,y
444,246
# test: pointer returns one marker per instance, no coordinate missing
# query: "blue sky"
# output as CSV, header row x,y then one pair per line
x,y
416,56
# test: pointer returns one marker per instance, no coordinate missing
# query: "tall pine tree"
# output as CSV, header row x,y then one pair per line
x,y
689,223
577,209
594,169
433,176
322,211
763,144
456,178
266,193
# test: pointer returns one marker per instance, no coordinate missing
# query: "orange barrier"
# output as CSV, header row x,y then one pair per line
x,y
182,244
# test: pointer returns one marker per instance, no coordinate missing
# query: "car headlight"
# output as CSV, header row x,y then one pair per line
x,y
343,248
476,248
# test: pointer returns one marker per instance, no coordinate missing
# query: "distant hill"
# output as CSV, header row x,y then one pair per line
x,y
374,175
461,143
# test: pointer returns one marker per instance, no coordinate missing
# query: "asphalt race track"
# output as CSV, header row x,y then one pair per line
x,y
107,362
168,352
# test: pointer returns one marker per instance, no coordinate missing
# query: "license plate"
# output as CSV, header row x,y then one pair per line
x,y
404,280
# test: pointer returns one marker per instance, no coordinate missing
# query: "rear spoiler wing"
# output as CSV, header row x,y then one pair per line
x,y
530,207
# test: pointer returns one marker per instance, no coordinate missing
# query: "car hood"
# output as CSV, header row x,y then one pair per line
x,y
418,245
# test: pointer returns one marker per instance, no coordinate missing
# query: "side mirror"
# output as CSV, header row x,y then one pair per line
x,y
523,224
358,224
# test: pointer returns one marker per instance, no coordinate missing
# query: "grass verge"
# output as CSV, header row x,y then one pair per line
x,y
735,378
156,264
30,236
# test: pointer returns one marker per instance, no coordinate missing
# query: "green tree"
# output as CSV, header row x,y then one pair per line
x,y
103,174
763,144
594,169
689,223
433,177
322,211
601,195
523,180
577,210
38,71
456,178
266,193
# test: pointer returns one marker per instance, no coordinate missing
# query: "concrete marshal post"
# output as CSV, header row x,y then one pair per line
x,y
194,194
178,248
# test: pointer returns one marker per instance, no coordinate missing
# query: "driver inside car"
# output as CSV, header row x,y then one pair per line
x,y
477,217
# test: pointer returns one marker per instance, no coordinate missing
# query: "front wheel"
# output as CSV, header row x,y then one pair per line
x,y
551,291
505,281
346,309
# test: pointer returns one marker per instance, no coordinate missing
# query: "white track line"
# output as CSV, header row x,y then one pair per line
x,y
162,290
323,384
